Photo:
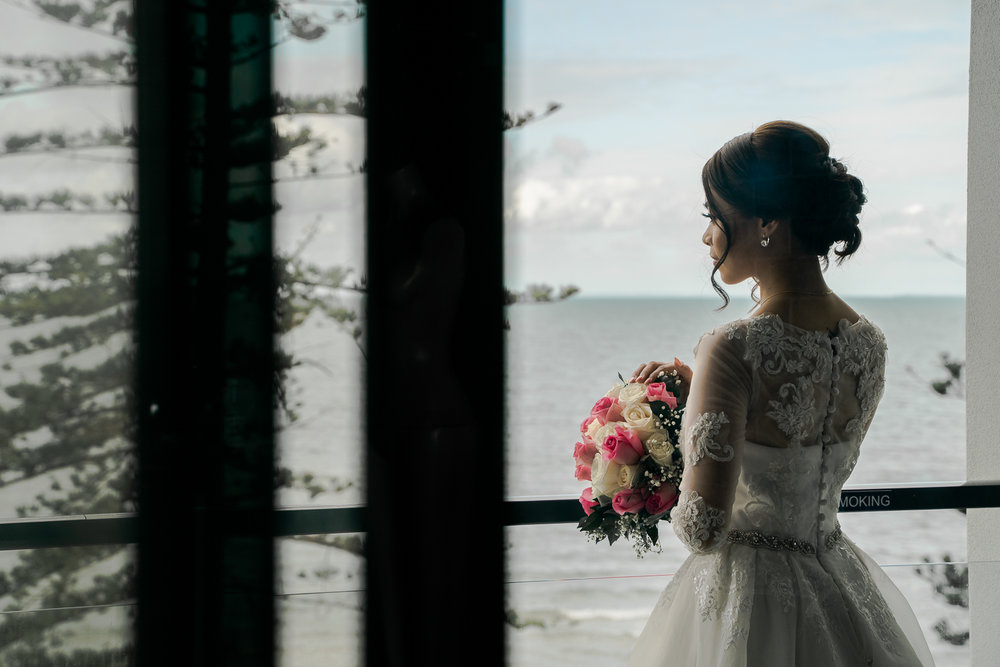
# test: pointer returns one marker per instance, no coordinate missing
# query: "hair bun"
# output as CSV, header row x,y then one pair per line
x,y
846,199
783,171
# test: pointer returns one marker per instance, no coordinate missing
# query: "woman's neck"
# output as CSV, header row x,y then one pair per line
x,y
795,275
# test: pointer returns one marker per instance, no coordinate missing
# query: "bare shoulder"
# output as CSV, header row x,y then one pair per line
x,y
845,311
812,314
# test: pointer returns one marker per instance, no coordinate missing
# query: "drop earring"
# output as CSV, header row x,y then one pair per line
x,y
764,241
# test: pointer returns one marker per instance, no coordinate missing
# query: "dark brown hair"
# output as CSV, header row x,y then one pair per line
x,y
783,170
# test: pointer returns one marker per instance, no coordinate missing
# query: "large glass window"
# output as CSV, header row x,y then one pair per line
x,y
603,198
67,153
319,242
610,119
319,247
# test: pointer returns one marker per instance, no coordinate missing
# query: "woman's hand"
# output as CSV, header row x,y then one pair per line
x,y
653,371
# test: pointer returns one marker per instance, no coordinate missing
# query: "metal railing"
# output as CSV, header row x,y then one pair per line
x,y
81,530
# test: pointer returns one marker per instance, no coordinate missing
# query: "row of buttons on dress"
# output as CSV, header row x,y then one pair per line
x,y
831,408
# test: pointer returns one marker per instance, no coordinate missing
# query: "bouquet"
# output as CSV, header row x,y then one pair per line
x,y
630,455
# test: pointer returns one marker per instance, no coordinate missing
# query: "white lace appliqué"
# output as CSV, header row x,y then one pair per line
x,y
698,524
865,357
795,412
702,438
867,599
769,347
802,383
724,593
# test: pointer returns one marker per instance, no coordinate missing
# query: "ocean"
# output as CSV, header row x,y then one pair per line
x,y
574,601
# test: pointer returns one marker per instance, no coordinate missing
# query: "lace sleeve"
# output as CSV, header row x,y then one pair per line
x,y
697,524
712,441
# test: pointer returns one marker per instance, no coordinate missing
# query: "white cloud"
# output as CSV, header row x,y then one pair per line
x,y
611,201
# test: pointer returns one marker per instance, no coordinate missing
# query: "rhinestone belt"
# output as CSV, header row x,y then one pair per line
x,y
758,540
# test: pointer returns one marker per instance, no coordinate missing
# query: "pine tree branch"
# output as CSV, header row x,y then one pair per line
x,y
65,86
62,464
40,13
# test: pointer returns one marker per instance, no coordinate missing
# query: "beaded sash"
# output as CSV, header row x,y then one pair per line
x,y
758,540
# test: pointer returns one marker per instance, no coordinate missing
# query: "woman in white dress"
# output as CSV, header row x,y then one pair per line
x,y
778,404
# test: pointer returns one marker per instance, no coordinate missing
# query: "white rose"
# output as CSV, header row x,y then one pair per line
x,y
615,390
601,433
639,417
659,448
592,430
632,393
626,475
604,477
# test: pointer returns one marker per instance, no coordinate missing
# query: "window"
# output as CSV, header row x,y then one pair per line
x,y
435,229
603,193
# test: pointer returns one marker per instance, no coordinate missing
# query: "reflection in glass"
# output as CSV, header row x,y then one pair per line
x,y
571,601
67,153
81,613
320,251
319,237
321,600
66,288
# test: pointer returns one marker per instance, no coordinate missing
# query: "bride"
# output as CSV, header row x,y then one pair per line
x,y
777,407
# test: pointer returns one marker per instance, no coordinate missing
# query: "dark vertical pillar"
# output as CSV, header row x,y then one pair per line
x,y
205,326
435,372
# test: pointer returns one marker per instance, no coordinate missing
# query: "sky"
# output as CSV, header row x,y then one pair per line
x,y
606,192
611,182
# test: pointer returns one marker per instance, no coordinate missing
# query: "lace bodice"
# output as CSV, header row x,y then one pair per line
x,y
774,420
772,429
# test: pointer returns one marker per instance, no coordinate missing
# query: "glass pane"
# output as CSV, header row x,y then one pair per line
x,y
572,601
604,194
66,288
51,618
67,153
320,247
321,600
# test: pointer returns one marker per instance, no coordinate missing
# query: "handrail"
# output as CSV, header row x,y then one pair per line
x,y
85,530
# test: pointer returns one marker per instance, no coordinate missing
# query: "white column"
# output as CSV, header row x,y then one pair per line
x,y
982,320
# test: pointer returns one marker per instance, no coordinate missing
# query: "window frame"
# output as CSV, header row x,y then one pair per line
x,y
408,183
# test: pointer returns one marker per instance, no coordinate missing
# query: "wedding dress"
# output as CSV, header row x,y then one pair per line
x,y
772,429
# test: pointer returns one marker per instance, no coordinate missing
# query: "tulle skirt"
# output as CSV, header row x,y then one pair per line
x,y
753,607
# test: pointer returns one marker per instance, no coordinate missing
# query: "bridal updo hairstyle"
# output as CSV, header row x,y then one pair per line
x,y
783,171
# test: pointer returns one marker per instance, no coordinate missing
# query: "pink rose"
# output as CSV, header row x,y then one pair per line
x,y
628,501
583,472
602,405
624,447
657,391
607,410
586,423
584,452
587,500
662,499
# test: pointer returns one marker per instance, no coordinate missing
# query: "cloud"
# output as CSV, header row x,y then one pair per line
x,y
590,202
